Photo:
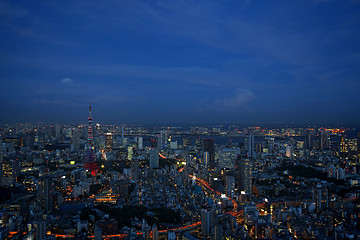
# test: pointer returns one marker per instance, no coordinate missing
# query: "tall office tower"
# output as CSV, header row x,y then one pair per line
x,y
1,168
209,147
90,163
16,165
45,193
41,230
358,145
206,160
245,175
343,149
251,148
259,148
135,169
207,221
154,158
75,139
140,143
162,140
109,139
309,139
321,197
230,186
324,140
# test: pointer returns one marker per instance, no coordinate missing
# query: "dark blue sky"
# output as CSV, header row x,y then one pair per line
x,y
181,61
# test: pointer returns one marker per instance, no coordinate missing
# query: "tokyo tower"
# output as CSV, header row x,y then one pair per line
x,y
90,163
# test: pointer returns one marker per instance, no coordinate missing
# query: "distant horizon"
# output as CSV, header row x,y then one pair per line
x,y
196,124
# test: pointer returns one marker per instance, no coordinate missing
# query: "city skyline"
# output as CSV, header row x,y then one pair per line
x,y
180,62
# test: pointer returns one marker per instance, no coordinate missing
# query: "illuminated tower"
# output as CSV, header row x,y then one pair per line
x,y
343,149
90,163
109,139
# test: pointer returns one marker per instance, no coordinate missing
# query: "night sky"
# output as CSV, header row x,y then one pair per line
x,y
251,62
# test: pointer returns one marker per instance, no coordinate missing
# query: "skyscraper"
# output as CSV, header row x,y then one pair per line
x,y
16,165
154,158
343,149
309,139
324,140
140,143
230,186
135,169
1,168
320,196
209,147
109,139
251,148
41,230
207,221
245,175
358,145
45,193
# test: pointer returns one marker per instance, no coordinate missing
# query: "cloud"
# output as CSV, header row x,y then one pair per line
x,y
67,80
241,98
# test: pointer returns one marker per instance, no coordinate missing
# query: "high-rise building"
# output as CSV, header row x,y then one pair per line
x,y
154,158
324,140
321,197
109,139
1,168
343,150
358,145
309,139
140,143
245,175
230,186
209,146
207,221
162,140
75,139
45,193
251,148
206,160
135,168
41,230
16,165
